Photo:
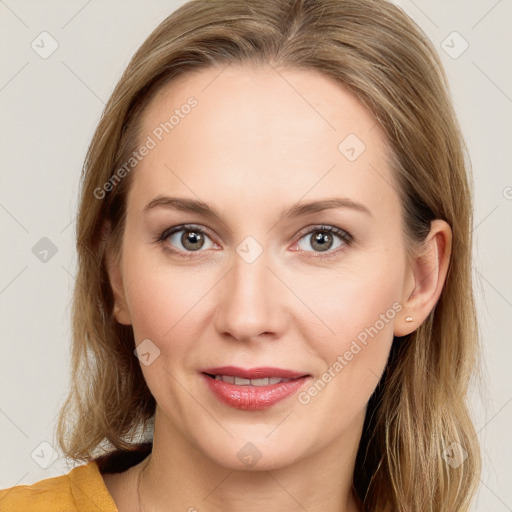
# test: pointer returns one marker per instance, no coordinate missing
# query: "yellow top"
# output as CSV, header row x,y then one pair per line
x,y
81,490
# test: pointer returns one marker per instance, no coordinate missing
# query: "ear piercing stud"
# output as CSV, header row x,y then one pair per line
x,y
408,318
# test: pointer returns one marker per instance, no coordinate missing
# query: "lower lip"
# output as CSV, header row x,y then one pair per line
x,y
253,397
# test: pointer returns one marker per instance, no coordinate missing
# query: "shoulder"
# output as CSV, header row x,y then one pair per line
x,y
79,490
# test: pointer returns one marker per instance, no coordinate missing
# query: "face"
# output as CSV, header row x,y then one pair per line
x,y
263,283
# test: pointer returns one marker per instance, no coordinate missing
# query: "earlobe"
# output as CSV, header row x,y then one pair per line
x,y
427,273
112,260
121,314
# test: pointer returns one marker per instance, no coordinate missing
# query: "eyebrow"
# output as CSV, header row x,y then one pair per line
x,y
296,210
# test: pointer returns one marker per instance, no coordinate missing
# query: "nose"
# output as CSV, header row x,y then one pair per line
x,y
251,301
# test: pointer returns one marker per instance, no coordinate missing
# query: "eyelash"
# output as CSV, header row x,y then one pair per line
x,y
346,237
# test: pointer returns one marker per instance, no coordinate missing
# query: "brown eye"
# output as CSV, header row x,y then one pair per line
x,y
183,239
321,240
324,239
192,240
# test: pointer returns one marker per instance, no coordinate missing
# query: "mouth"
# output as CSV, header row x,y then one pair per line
x,y
255,388
261,372
240,381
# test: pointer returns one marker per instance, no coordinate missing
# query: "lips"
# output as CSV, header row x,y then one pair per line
x,y
240,381
254,388
254,373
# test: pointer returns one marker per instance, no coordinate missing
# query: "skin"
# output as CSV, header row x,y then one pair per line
x,y
258,142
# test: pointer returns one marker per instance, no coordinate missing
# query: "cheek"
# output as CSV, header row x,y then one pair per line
x,y
358,310
354,357
161,297
345,305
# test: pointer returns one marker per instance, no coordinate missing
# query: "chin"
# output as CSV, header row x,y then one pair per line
x,y
254,452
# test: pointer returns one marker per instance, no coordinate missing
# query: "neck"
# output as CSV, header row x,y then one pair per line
x,y
178,476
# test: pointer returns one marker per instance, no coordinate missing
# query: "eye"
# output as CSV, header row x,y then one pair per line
x,y
185,240
324,239
191,238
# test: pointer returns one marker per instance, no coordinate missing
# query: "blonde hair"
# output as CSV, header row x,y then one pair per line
x,y
374,49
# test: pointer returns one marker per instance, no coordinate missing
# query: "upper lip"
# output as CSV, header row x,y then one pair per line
x,y
254,373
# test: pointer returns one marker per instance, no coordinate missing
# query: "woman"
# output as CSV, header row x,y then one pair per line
x,y
274,305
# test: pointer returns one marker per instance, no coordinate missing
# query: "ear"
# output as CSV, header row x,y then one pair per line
x,y
425,278
113,267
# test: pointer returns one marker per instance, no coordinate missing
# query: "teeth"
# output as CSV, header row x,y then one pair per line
x,y
239,381
262,382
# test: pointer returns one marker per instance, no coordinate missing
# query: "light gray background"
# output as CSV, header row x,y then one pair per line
x,y
50,108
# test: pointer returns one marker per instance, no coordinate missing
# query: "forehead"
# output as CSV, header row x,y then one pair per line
x,y
261,129
299,103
